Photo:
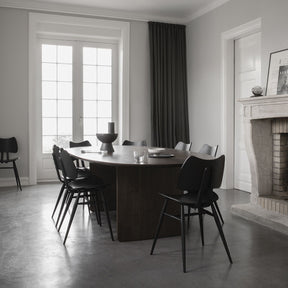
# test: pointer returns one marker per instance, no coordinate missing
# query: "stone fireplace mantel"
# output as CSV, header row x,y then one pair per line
x,y
258,115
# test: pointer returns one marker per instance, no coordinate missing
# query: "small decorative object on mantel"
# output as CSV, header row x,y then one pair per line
x,y
108,138
257,91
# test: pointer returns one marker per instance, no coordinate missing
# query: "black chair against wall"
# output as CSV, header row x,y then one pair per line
x,y
134,143
7,146
87,191
85,143
198,177
183,146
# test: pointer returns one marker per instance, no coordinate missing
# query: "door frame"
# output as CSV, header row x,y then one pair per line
x,y
111,29
227,91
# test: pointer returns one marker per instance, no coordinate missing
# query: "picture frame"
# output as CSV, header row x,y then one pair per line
x,y
277,78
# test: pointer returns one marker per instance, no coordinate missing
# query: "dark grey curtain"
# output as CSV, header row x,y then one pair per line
x,y
168,84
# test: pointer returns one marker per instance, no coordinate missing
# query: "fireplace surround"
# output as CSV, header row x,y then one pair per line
x,y
266,139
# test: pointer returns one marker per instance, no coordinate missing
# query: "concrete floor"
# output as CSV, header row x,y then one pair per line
x,y
32,254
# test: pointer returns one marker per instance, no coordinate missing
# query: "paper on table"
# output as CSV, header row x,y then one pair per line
x,y
90,151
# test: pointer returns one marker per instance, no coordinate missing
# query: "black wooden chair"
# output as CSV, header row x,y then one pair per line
x,y
86,191
134,143
212,151
80,174
198,177
183,146
209,150
7,146
85,143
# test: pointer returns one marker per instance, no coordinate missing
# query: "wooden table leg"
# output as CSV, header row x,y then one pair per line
x,y
139,203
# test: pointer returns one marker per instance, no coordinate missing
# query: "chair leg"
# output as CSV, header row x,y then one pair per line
x,y
219,226
66,194
70,197
94,203
17,176
98,209
58,199
159,225
183,238
201,225
107,214
72,216
188,220
219,213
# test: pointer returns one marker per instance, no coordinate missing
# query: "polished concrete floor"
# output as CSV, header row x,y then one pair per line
x,y
32,254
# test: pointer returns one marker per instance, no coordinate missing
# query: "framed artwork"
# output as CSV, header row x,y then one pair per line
x,y
277,79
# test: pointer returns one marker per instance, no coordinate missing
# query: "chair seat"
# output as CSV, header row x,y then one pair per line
x,y
190,199
9,160
90,183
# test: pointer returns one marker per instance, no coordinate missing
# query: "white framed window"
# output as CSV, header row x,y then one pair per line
x,y
95,101
79,81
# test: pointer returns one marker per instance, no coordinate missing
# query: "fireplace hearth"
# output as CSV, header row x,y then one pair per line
x,y
266,128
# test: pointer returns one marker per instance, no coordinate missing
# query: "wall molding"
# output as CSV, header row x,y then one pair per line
x,y
106,13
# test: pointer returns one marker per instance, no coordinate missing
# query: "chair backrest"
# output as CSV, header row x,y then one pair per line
x,y
85,143
67,164
183,146
192,171
134,143
7,145
209,150
57,162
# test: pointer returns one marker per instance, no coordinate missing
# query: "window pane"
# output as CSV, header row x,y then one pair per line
x,y
64,126
104,57
48,71
104,74
89,56
63,141
47,143
49,126
64,90
64,72
89,73
49,108
49,53
104,92
92,139
104,109
65,108
89,91
64,54
89,108
103,125
89,126
49,90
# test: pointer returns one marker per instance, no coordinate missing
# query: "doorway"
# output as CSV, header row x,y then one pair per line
x,y
247,73
227,95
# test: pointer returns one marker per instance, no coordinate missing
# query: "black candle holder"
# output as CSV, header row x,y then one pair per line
x,y
107,139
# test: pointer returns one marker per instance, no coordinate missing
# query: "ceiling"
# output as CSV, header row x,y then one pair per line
x,y
179,11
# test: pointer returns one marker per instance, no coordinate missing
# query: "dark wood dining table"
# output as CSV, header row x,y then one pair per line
x,y
135,187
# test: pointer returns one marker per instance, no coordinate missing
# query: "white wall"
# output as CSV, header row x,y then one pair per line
x,y
14,82
204,58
